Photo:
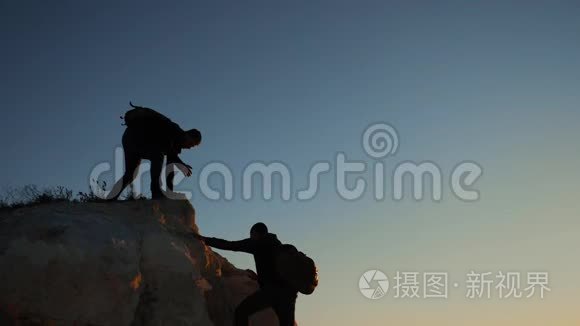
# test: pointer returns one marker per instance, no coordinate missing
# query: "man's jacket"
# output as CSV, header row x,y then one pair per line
x,y
151,141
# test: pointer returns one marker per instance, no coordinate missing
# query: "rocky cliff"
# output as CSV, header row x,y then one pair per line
x,y
123,263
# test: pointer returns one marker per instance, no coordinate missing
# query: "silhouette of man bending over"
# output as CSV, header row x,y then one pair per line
x,y
152,136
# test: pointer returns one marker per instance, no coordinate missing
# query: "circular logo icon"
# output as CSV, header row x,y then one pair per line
x,y
373,284
380,140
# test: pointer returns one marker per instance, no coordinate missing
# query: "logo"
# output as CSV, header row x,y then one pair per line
x,y
380,142
373,284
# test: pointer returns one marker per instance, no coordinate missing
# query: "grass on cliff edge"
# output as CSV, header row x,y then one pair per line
x,y
31,195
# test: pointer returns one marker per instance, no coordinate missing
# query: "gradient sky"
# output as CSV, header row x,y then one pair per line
x,y
495,82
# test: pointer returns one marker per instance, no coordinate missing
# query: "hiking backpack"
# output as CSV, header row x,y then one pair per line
x,y
140,116
297,269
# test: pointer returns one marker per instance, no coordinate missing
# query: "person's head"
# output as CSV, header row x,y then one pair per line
x,y
192,138
258,231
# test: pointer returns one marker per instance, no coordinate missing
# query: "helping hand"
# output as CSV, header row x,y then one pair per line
x,y
252,274
186,169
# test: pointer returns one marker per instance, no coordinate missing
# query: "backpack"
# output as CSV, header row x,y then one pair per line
x,y
145,117
297,269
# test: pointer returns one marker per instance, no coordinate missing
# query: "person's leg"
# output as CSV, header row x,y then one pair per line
x,y
132,162
169,181
250,305
285,309
170,174
156,167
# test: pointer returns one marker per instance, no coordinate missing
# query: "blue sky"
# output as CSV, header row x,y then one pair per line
x,y
495,82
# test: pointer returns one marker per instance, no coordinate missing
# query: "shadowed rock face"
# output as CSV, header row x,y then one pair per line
x,y
126,263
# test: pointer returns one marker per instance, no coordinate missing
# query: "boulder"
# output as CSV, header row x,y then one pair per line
x,y
120,263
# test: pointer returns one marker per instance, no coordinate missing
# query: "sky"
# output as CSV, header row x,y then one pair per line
x,y
494,82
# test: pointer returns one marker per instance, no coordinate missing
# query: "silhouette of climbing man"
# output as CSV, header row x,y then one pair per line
x,y
152,136
273,292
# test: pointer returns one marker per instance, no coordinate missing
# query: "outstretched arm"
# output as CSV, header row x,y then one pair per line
x,y
246,245
174,158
